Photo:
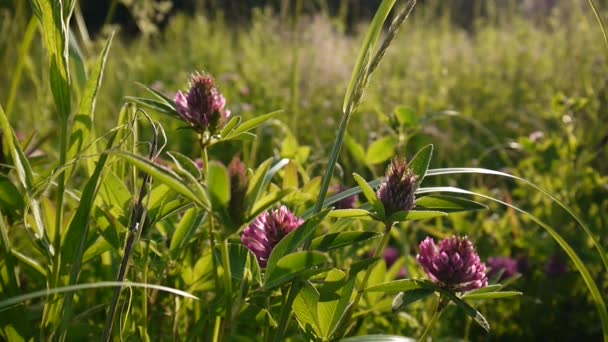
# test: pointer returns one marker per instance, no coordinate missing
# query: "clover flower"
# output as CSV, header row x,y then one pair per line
x,y
555,266
203,105
265,232
239,182
453,265
506,265
397,191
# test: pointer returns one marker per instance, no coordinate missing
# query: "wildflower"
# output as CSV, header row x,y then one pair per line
x,y
265,232
391,254
397,192
345,203
506,265
239,182
203,105
453,265
556,266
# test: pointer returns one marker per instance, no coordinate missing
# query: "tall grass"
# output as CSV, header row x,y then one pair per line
x,y
478,94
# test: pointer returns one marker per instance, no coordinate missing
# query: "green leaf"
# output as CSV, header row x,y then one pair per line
x,y
294,240
371,197
83,120
11,200
163,176
54,32
305,308
336,240
355,149
252,123
266,202
381,150
185,164
158,106
342,213
98,247
74,239
78,60
254,190
379,338
335,294
230,126
415,215
363,61
218,183
491,295
403,299
294,265
190,221
162,97
24,171
396,286
447,204
406,116
420,162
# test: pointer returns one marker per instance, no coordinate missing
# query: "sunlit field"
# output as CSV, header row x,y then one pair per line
x,y
303,170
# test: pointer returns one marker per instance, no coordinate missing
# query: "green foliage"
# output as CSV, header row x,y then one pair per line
x,y
93,189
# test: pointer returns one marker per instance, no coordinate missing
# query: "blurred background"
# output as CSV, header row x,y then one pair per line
x,y
518,86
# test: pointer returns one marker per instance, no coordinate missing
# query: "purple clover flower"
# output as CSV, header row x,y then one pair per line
x,y
203,105
397,191
239,182
345,203
453,265
391,254
265,232
506,265
555,266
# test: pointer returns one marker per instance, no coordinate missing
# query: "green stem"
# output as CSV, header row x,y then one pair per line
x,y
342,325
441,304
286,310
227,286
335,153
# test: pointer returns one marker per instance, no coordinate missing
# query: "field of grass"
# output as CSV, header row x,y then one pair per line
x,y
94,180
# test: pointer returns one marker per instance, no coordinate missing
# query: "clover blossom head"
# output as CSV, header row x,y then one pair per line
x,y
397,191
453,265
504,266
239,182
202,106
265,232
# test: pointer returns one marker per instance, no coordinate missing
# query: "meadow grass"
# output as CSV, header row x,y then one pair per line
x,y
511,93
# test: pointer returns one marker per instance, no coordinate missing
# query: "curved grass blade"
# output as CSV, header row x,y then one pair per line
x,y
591,285
448,171
78,287
598,17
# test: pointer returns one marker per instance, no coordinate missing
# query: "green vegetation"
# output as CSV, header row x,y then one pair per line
x,y
92,181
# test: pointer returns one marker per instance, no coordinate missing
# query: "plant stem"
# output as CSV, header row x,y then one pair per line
x,y
227,286
441,304
342,325
286,310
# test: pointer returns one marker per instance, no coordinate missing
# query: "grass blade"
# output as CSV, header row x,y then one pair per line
x,y
79,287
83,121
